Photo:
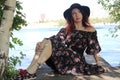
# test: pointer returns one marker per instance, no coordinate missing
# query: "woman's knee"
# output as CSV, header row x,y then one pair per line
x,y
42,44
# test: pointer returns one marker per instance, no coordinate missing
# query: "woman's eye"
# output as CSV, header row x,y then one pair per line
x,y
73,13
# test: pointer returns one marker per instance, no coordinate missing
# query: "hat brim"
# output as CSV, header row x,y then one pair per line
x,y
85,9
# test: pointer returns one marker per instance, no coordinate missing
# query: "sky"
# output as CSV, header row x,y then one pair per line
x,y
53,9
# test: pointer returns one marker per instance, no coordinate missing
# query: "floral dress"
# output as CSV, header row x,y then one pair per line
x,y
68,52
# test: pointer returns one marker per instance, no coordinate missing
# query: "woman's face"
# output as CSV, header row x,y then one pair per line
x,y
77,15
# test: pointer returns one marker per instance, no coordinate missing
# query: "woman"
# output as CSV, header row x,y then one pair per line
x,y
64,52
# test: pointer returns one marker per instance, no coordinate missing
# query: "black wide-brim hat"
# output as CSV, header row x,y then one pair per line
x,y
85,9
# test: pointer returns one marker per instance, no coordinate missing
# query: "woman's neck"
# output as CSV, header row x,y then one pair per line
x,y
79,26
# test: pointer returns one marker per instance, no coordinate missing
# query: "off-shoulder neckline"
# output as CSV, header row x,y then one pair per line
x,y
86,31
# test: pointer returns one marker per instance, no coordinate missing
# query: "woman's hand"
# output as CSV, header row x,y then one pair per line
x,y
40,45
97,59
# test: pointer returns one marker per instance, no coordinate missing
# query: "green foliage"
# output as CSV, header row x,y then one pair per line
x,y
12,62
18,22
113,7
19,18
15,40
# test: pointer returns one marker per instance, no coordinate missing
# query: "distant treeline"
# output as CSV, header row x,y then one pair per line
x,y
62,22
101,20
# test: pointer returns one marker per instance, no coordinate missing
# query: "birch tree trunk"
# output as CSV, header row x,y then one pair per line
x,y
5,27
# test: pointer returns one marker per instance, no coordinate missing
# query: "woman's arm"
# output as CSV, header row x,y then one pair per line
x,y
97,59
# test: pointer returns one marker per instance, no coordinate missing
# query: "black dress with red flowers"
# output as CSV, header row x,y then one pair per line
x,y
68,52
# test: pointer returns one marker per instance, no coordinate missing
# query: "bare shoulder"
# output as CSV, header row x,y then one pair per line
x,y
91,29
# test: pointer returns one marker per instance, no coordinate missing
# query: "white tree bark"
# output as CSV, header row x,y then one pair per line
x,y
5,27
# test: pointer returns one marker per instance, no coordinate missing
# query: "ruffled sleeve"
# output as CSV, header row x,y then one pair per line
x,y
93,46
58,40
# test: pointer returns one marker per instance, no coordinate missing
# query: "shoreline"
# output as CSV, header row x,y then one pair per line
x,y
55,25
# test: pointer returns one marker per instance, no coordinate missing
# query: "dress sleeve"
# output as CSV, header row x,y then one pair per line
x,y
93,46
60,36
58,40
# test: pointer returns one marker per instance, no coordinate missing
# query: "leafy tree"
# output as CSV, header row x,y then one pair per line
x,y
18,22
113,7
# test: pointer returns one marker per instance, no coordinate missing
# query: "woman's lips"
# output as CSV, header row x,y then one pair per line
x,y
77,18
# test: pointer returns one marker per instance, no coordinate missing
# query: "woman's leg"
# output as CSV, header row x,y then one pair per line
x,y
42,52
46,52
